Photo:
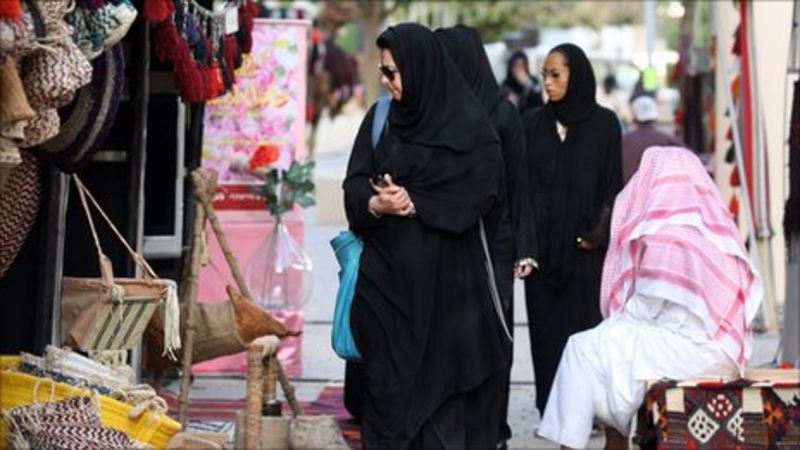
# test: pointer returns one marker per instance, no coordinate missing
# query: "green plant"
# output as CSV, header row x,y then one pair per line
x,y
283,189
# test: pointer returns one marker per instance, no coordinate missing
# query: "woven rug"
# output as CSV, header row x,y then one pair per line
x,y
216,413
712,415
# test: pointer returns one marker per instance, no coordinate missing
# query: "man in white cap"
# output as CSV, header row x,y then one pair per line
x,y
645,135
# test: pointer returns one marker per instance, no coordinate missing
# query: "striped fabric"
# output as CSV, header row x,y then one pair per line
x,y
120,325
673,238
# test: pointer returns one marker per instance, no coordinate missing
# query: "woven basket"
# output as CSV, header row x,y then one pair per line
x,y
19,204
18,389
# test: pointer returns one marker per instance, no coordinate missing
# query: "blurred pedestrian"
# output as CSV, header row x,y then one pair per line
x,y
610,96
423,318
574,157
646,134
522,88
510,225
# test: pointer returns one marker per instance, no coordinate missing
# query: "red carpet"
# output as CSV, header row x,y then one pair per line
x,y
330,402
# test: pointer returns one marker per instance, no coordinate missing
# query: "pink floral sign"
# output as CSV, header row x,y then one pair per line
x,y
266,107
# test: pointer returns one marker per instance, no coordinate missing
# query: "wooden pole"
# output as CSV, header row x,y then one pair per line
x,y
189,298
205,199
288,389
255,374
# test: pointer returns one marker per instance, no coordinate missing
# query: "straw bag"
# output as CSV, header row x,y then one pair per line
x,y
98,29
110,313
19,205
57,68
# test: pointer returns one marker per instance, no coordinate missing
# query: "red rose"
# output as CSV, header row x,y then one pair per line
x,y
265,155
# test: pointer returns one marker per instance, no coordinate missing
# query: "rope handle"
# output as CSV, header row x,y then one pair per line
x,y
106,270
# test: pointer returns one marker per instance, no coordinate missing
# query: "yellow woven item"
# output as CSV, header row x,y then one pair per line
x,y
18,389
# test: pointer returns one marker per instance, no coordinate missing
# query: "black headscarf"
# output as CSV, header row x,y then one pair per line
x,y
466,49
437,108
511,81
580,100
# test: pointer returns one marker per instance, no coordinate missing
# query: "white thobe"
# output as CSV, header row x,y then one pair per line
x,y
603,371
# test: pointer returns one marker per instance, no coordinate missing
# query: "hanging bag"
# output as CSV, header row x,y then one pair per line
x,y
348,248
109,313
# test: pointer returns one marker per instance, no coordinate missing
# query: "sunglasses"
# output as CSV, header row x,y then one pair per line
x,y
387,71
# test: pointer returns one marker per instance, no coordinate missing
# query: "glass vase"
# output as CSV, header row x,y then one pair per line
x,y
279,273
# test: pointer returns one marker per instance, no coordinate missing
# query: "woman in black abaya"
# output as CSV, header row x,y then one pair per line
x,y
510,224
575,173
422,315
522,88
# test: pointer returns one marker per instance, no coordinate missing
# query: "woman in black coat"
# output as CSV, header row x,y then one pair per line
x,y
510,224
423,317
575,171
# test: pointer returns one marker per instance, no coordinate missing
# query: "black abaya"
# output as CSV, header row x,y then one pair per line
x,y
422,314
510,224
573,186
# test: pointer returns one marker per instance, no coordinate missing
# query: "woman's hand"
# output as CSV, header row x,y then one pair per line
x,y
583,244
390,199
525,268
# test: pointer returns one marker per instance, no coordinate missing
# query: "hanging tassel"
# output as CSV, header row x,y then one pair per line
x,y
736,87
10,9
217,83
247,15
233,58
227,77
158,10
167,41
733,207
737,42
735,181
208,89
192,32
730,155
225,72
172,320
188,78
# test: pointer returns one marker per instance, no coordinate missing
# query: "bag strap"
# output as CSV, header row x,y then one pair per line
x,y
105,263
498,307
379,119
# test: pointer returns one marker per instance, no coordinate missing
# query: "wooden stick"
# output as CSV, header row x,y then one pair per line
x,y
255,374
271,378
189,298
205,199
288,390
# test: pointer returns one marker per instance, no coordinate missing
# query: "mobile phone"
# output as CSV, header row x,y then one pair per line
x,y
379,180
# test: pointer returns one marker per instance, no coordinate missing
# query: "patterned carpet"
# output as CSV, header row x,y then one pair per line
x,y
212,414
